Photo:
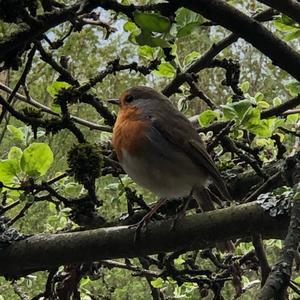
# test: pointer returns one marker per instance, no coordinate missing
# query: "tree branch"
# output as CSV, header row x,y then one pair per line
x,y
44,251
279,109
251,30
279,278
207,57
260,252
48,110
18,41
289,7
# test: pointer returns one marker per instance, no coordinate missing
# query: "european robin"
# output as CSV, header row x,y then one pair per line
x,y
160,150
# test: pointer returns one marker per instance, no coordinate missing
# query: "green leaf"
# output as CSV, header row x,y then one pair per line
x,y
241,107
293,88
251,116
274,123
15,153
206,117
36,159
157,283
185,16
190,58
297,279
262,142
259,96
56,108
187,21
283,27
17,133
152,22
276,101
179,261
292,119
263,104
236,110
229,112
72,188
165,69
292,35
131,27
146,52
288,21
84,281
56,87
7,171
145,38
261,129
187,29
238,134
245,86
29,198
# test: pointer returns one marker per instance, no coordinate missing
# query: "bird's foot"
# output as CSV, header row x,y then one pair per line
x,y
140,225
181,213
145,220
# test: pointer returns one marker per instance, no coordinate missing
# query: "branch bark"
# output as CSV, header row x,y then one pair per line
x,y
278,280
18,41
289,7
46,109
279,109
46,251
251,30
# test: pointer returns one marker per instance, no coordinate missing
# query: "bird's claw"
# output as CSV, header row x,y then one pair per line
x,y
139,226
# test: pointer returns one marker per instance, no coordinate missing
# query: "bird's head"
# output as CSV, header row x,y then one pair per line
x,y
138,96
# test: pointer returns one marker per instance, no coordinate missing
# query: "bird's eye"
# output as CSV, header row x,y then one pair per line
x,y
129,98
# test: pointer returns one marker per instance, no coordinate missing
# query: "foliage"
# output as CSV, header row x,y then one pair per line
x,y
58,178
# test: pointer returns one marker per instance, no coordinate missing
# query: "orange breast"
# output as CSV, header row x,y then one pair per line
x,y
128,133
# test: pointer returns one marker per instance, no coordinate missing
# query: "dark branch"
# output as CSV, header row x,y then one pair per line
x,y
278,110
262,257
278,280
45,251
207,57
290,8
251,30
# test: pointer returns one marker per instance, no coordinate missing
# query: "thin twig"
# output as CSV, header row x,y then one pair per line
x,y
21,81
17,289
264,187
262,257
46,109
20,214
139,271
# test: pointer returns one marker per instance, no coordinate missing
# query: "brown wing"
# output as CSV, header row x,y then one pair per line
x,y
178,131
199,154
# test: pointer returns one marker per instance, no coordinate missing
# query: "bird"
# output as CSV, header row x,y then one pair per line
x,y
160,150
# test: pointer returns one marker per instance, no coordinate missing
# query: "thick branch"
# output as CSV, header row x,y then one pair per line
x,y
207,57
45,251
289,7
277,110
252,31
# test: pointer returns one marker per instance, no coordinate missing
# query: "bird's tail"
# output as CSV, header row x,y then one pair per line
x,y
206,204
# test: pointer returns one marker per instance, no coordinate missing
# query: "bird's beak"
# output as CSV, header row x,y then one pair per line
x,y
114,101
